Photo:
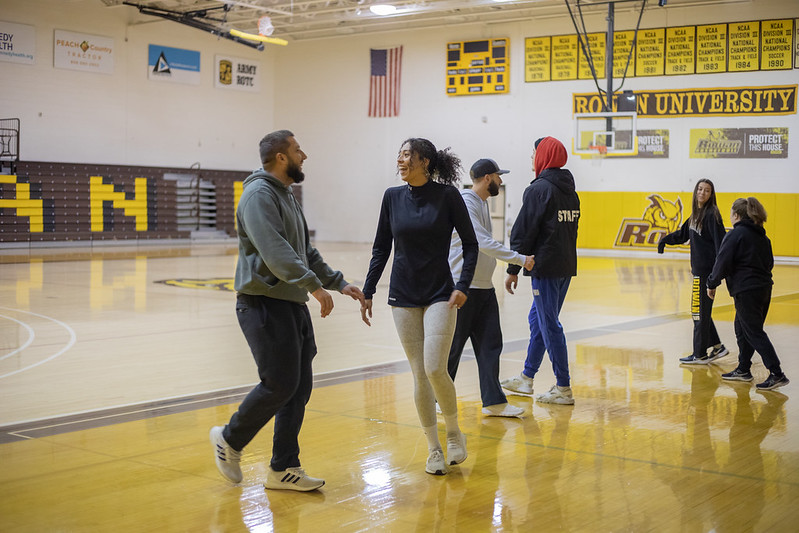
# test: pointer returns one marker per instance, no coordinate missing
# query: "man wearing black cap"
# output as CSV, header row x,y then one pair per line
x,y
478,318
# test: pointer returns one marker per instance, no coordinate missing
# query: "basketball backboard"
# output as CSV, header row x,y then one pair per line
x,y
608,134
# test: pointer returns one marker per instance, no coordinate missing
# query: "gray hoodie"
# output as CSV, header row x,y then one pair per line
x,y
276,258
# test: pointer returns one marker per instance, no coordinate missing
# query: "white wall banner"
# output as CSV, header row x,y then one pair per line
x,y
17,43
81,51
173,64
236,73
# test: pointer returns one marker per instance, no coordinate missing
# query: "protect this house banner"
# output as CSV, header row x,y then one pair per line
x,y
739,143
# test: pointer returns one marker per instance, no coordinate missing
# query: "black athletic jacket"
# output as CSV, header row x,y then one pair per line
x,y
547,225
704,244
745,259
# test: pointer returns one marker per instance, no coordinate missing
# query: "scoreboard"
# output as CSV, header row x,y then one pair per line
x,y
478,67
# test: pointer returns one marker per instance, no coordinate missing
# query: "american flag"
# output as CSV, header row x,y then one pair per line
x,y
384,87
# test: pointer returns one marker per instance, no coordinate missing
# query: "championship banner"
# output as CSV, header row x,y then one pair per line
x,y
739,143
726,101
237,73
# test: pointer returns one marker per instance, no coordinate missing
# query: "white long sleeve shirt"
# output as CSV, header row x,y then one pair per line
x,y
490,249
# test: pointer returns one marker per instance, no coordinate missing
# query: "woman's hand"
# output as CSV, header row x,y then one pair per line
x,y
366,311
457,299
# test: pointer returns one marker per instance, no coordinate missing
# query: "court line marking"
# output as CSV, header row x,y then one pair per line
x,y
72,340
31,336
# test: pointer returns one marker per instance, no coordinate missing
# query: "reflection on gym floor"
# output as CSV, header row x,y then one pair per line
x,y
115,362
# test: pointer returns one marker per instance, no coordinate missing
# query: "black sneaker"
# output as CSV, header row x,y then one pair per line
x,y
694,360
716,353
772,382
737,375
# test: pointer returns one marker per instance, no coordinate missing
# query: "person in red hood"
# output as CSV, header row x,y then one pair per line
x,y
547,229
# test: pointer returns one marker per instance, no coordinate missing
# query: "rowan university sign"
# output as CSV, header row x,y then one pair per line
x,y
728,101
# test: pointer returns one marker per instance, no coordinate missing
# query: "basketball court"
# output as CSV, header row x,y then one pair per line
x,y
116,361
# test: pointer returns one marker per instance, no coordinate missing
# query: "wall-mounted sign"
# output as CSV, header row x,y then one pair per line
x,y
173,64
81,51
725,101
703,49
739,143
17,43
537,58
236,73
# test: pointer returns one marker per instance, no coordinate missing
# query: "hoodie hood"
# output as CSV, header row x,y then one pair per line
x,y
550,153
260,174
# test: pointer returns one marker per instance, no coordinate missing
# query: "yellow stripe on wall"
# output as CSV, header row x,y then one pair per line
x,y
636,220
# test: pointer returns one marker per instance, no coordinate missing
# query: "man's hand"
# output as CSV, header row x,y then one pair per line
x,y
353,292
456,299
529,262
366,311
325,300
511,282
711,293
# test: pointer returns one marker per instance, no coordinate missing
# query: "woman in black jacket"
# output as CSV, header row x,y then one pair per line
x,y
705,231
745,260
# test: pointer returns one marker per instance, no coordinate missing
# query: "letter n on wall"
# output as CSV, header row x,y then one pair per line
x,y
105,196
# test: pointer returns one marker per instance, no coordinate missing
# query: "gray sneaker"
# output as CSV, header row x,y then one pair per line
x,y
436,464
520,384
558,395
456,449
227,459
292,478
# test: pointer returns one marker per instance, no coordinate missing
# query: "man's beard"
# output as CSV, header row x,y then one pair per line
x,y
493,189
293,171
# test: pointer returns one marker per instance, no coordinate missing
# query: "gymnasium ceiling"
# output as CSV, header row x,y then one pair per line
x,y
296,20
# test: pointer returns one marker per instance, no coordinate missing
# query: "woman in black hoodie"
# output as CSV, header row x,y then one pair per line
x,y
745,260
705,230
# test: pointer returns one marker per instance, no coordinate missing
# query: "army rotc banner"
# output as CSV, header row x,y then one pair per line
x,y
727,101
237,73
739,143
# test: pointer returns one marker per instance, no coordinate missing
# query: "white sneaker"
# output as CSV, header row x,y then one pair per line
x,y
292,478
558,395
456,449
227,459
436,464
520,384
503,409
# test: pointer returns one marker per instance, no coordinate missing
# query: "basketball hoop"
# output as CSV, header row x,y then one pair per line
x,y
599,149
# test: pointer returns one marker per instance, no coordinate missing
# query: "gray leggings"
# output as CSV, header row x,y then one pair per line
x,y
426,335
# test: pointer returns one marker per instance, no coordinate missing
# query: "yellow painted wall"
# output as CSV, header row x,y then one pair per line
x,y
604,214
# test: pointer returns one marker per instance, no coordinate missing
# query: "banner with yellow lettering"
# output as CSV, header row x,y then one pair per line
x,y
726,101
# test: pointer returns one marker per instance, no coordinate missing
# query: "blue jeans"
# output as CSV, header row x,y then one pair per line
x,y
546,332
281,338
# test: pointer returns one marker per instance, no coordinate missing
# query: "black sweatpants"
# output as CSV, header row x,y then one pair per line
x,y
281,338
751,308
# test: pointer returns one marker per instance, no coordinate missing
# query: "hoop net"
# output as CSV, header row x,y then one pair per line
x,y
601,150
265,26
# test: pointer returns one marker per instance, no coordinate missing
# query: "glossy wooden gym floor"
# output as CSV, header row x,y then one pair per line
x,y
112,373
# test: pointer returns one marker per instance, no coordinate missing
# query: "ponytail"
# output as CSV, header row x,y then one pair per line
x,y
751,209
443,167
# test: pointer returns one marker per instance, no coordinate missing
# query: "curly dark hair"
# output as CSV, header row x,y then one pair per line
x,y
443,167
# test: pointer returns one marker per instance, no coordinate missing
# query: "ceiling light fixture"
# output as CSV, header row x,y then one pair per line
x,y
383,9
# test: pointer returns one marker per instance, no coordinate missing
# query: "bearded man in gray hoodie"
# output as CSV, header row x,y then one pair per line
x,y
277,268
